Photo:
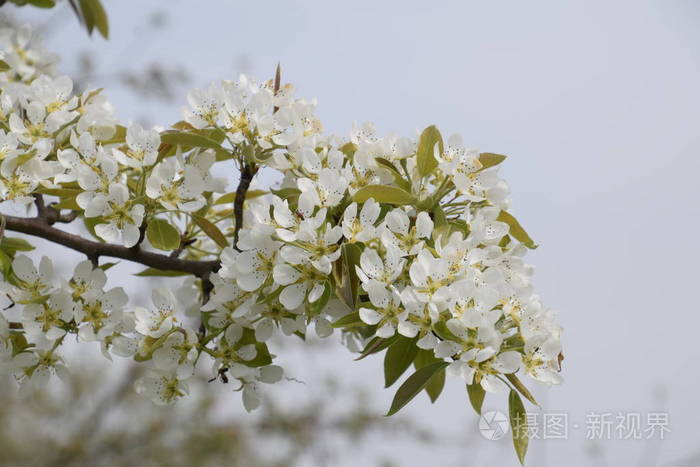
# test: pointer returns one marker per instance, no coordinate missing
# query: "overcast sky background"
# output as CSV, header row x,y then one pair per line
x,y
596,103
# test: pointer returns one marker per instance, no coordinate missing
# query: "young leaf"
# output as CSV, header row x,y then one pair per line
x,y
183,138
516,230
153,272
351,320
517,384
90,223
377,344
262,356
43,3
14,244
476,396
398,358
350,254
425,155
315,308
435,386
211,230
444,332
5,264
162,235
518,424
398,178
88,15
231,197
413,385
99,16
107,266
119,136
4,66
348,149
489,159
385,194
68,203
60,192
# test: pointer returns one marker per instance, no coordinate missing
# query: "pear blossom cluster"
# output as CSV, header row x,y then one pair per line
x,y
378,239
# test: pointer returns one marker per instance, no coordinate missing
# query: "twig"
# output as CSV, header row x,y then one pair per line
x,y
247,173
42,227
207,287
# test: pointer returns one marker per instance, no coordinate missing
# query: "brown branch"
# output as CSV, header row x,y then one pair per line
x,y
207,287
42,227
247,173
67,218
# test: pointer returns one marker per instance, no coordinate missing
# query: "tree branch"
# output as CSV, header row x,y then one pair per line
x,y
247,173
42,227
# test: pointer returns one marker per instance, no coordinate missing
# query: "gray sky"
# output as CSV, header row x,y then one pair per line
x,y
597,105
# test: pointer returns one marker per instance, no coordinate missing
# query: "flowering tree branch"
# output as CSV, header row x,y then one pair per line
x,y
42,226
400,244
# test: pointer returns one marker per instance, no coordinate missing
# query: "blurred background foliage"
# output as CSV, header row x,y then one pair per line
x,y
89,423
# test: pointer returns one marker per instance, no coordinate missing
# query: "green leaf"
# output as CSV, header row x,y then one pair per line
x,y
43,3
4,66
518,424
516,230
414,384
385,194
425,155
88,15
14,244
444,332
476,395
90,223
377,344
107,266
348,149
94,16
68,203
291,194
213,134
100,18
489,159
459,225
398,178
435,386
19,343
60,192
153,272
162,235
186,139
24,158
211,230
315,308
263,356
231,197
515,381
398,358
5,264
351,320
350,254
439,217
119,136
